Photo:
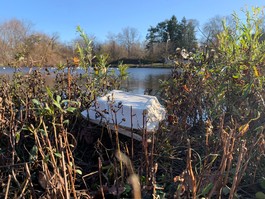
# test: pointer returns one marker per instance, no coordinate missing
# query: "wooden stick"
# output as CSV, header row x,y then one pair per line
x,y
8,185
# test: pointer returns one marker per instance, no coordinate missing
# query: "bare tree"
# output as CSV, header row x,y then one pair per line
x,y
129,38
113,48
21,46
123,45
213,27
41,49
12,36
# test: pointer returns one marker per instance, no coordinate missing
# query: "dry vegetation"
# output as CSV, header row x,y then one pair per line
x,y
211,146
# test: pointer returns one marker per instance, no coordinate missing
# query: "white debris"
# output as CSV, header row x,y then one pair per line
x,y
128,110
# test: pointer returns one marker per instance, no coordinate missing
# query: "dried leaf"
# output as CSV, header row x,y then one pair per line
x,y
207,75
114,191
178,179
256,72
76,61
42,180
243,129
185,87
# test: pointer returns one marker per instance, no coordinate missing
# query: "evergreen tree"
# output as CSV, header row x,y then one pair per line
x,y
170,34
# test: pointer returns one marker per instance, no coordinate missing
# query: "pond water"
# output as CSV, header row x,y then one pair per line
x,y
140,80
145,80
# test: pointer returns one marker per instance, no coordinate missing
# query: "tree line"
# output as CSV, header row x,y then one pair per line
x,y
21,45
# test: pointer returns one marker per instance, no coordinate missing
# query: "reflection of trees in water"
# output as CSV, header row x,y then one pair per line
x,y
152,83
140,80
148,85
133,84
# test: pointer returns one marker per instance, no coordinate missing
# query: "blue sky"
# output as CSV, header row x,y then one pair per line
x,y
101,17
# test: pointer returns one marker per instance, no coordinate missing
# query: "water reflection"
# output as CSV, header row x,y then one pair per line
x,y
140,80
145,79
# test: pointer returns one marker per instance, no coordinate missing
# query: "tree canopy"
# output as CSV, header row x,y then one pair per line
x,y
171,34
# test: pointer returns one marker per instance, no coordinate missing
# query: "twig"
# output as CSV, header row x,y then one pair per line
x,y
100,179
190,171
30,182
235,180
8,185
18,164
87,175
154,170
64,169
27,181
230,156
70,169
13,143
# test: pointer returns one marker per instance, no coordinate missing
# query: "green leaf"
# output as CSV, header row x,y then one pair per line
x,y
33,153
48,109
70,109
49,92
207,189
260,195
65,101
262,183
247,89
17,136
236,76
66,121
58,105
226,190
58,155
35,101
128,188
43,132
78,171
58,98
46,158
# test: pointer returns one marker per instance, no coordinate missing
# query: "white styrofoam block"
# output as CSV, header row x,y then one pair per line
x,y
128,110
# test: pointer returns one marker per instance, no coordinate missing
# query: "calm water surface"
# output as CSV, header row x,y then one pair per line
x,y
143,79
140,81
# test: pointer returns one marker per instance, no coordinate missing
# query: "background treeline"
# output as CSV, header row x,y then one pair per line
x,y
21,45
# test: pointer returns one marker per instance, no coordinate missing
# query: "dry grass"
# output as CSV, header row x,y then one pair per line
x,y
212,146
49,151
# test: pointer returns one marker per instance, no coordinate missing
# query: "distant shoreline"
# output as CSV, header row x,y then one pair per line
x,y
156,65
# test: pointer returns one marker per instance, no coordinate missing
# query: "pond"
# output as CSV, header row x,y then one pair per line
x,y
145,80
140,80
